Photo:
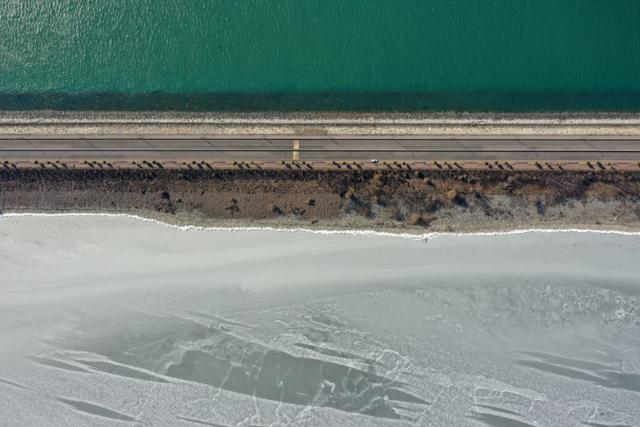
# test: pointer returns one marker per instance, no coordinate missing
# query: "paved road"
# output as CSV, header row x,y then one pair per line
x,y
419,148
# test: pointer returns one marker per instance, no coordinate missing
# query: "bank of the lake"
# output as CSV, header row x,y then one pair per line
x,y
396,201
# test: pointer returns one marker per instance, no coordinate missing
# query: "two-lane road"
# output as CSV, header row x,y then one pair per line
x,y
317,148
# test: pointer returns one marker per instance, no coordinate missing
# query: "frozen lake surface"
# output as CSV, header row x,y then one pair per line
x,y
116,321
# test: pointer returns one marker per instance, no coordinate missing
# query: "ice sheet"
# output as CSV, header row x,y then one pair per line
x,y
110,320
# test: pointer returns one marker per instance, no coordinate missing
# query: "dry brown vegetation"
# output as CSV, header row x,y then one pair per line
x,y
392,198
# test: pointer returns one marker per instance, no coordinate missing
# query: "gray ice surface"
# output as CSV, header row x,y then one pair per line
x,y
114,321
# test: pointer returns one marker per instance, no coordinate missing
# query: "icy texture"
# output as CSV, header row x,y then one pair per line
x,y
116,321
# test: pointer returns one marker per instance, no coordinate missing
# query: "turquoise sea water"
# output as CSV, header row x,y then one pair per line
x,y
320,54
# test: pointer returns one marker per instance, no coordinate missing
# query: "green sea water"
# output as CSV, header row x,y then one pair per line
x,y
499,55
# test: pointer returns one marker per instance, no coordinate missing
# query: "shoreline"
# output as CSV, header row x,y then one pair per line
x,y
320,123
385,232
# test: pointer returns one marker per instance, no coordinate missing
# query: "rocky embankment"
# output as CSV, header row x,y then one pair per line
x,y
436,201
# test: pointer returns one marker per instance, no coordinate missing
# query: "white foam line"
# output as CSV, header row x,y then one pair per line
x,y
352,232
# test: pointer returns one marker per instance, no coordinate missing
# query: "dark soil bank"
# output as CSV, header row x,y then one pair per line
x,y
434,200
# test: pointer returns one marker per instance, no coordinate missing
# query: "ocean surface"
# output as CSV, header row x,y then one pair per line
x,y
110,320
473,55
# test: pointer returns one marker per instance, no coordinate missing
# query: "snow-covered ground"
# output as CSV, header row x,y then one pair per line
x,y
111,320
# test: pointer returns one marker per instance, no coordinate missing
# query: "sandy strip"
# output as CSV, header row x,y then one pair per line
x,y
295,123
